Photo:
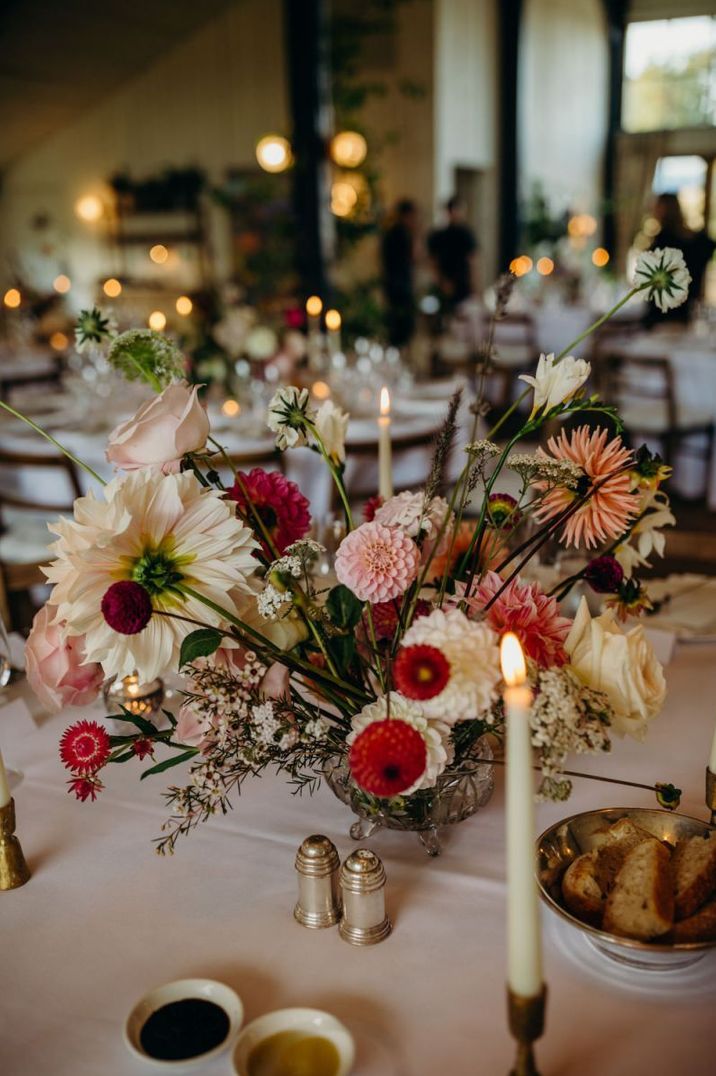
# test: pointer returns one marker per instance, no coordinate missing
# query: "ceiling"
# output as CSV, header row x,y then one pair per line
x,y
61,56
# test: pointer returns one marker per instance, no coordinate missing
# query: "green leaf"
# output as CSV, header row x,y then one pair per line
x,y
343,607
144,726
125,756
199,644
170,718
175,760
343,649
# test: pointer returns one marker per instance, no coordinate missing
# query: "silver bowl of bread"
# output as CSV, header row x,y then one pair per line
x,y
640,884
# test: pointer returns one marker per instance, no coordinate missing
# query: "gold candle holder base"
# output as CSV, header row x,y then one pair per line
x,y
14,871
711,794
526,1020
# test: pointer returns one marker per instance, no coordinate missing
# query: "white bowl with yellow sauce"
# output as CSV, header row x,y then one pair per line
x,y
294,1042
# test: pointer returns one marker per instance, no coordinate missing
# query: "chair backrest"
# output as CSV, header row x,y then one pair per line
x,y
14,492
409,450
638,379
270,459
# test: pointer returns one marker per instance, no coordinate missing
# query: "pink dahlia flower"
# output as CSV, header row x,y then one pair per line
x,y
607,512
377,563
280,504
526,610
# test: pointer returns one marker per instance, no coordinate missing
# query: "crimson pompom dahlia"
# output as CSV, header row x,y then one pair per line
x,y
604,574
84,747
387,757
85,788
127,607
421,671
279,503
371,506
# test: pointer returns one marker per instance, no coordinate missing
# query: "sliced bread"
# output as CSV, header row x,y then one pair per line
x,y
694,865
641,903
581,891
697,928
619,840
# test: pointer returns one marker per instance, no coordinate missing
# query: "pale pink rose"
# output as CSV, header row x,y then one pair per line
x,y
191,729
56,669
162,431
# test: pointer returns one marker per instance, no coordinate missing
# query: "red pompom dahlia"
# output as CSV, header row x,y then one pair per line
x,y
84,747
387,757
421,671
279,503
127,607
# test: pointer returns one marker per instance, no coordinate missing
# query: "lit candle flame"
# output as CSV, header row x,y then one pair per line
x,y
314,306
333,320
512,660
384,402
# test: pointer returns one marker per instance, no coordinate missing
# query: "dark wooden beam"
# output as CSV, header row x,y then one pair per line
x,y
510,12
616,14
307,51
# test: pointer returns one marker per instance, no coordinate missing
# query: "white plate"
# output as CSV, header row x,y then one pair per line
x,y
321,1024
180,990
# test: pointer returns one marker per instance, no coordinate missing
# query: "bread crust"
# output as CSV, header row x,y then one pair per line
x,y
641,904
581,891
700,927
694,864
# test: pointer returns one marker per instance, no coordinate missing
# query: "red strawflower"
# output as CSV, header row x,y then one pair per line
x,y
371,506
84,747
387,757
279,503
85,788
127,607
143,747
420,672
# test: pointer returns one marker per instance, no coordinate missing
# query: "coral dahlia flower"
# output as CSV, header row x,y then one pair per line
x,y
377,563
165,532
279,503
605,515
524,608
84,747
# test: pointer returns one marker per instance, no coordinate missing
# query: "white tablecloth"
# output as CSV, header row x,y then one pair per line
x,y
103,919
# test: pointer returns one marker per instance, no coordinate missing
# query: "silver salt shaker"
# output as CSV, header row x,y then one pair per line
x,y
364,920
319,899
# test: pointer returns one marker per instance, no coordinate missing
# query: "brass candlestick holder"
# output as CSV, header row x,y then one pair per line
x,y
526,1020
14,871
711,794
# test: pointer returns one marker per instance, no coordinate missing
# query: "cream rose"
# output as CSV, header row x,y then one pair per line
x,y
161,432
622,665
57,669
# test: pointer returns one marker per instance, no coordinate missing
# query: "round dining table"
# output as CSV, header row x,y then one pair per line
x,y
103,919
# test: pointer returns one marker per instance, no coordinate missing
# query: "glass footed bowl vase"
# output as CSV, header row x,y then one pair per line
x,y
459,792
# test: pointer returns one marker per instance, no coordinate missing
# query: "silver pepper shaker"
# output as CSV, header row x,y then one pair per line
x,y
364,920
319,900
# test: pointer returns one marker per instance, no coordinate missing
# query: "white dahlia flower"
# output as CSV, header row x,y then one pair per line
x,y
166,532
472,653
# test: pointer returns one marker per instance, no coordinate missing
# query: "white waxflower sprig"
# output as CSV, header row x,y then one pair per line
x,y
662,274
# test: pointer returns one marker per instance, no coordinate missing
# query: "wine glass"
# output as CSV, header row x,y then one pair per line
x,y
6,671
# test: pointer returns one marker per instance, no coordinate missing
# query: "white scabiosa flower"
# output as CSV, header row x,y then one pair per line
x,y
331,427
663,276
288,412
556,382
165,532
436,734
471,650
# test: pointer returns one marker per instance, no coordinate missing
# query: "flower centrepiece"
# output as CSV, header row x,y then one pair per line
x,y
377,562
279,503
84,747
524,608
663,275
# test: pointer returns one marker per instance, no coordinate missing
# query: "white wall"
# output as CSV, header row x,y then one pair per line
x,y
563,100
207,101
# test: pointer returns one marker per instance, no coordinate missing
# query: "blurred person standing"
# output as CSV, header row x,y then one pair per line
x,y
398,266
697,248
452,250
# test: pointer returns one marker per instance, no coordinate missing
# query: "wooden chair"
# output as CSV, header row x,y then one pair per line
x,y
516,352
16,378
362,481
21,556
642,388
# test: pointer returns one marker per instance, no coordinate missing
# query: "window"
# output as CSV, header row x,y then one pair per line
x,y
670,74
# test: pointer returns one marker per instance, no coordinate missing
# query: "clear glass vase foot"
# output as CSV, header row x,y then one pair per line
x,y
430,841
364,827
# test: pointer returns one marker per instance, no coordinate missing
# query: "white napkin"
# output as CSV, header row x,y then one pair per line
x,y
689,605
